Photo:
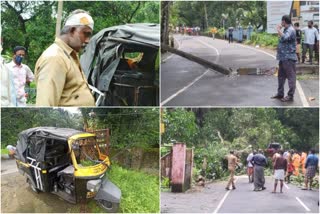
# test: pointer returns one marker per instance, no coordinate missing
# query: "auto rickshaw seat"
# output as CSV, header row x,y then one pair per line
x,y
67,171
58,167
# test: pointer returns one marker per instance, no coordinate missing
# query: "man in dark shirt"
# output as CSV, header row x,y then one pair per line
x,y
298,39
259,162
279,171
230,33
311,167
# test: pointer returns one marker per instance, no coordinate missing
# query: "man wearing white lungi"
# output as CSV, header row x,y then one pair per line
x,y
279,171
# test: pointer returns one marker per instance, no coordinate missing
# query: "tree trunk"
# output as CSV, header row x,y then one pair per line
x,y
165,22
196,59
205,16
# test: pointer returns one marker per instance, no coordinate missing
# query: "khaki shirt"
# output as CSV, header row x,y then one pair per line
x,y
60,79
232,161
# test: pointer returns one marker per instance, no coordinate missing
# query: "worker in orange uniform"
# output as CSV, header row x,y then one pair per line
x,y
296,163
303,162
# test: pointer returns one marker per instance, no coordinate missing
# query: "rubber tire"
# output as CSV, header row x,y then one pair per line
x,y
33,188
109,206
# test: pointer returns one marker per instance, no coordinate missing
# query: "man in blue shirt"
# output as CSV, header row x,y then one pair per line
x,y
311,166
286,54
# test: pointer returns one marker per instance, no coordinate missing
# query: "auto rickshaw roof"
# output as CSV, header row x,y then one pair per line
x,y
38,145
102,55
50,132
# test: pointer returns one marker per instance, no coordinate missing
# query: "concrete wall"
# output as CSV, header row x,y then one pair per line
x,y
178,167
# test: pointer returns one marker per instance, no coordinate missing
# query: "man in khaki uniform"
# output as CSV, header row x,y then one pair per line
x,y
232,163
59,77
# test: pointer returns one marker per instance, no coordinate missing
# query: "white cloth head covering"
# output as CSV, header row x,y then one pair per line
x,y
80,19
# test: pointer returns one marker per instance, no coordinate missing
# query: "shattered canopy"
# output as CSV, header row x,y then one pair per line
x,y
35,139
102,55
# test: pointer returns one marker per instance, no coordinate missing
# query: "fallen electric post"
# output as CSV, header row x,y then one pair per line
x,y
198,60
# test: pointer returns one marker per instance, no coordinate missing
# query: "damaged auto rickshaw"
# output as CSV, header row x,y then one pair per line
x,y
121,64
68,163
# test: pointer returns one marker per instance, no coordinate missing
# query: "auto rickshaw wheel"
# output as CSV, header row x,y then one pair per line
x,y
32,186
109,206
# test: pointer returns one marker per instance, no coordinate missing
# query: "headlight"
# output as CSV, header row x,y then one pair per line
x,y
94,185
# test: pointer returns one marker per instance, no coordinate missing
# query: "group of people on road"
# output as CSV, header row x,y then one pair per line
x,y
284,164
310,42
58,75
185,30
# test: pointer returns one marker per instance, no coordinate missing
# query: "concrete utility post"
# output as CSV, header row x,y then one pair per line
x,y
59,16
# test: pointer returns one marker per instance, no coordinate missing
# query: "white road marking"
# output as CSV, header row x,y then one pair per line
x,y
184,88
298,86
302,95
305,207
286,185
222,200
255,49
210,46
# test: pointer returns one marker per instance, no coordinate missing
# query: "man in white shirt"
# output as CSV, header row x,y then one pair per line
x,y
310,35
250,166
21,74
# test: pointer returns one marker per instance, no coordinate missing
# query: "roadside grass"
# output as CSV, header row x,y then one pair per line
x,y
4,152
140,192
308,77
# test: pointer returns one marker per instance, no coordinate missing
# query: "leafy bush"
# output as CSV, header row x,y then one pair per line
x,y
263,39
32,93
140,191
165,182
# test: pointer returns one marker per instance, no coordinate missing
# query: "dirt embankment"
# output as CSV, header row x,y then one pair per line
x,y
17,197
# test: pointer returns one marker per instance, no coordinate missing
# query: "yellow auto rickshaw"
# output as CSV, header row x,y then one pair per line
x,y
68,163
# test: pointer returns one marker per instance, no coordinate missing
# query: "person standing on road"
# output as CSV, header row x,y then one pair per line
x,y
316,45
298,38
303,162
279,171
311,167
250,166
230,34
21,74
232,163
259,162
286,54
296,162
311,37
59,76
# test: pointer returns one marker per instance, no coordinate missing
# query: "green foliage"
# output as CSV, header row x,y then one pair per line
x,y
165,182
32,93
4,151
220,13
264,39
129,127
140,191
180,126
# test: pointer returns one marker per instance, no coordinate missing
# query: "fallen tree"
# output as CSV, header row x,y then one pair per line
x,y
198,60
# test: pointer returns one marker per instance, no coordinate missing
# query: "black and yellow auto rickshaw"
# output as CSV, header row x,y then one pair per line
x,y
68,163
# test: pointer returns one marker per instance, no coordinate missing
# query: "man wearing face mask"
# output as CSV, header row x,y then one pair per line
x,y
286,54
311,37
21,75
59,76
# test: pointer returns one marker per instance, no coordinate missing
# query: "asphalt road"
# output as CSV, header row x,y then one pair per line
x,y
186,83
215,199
